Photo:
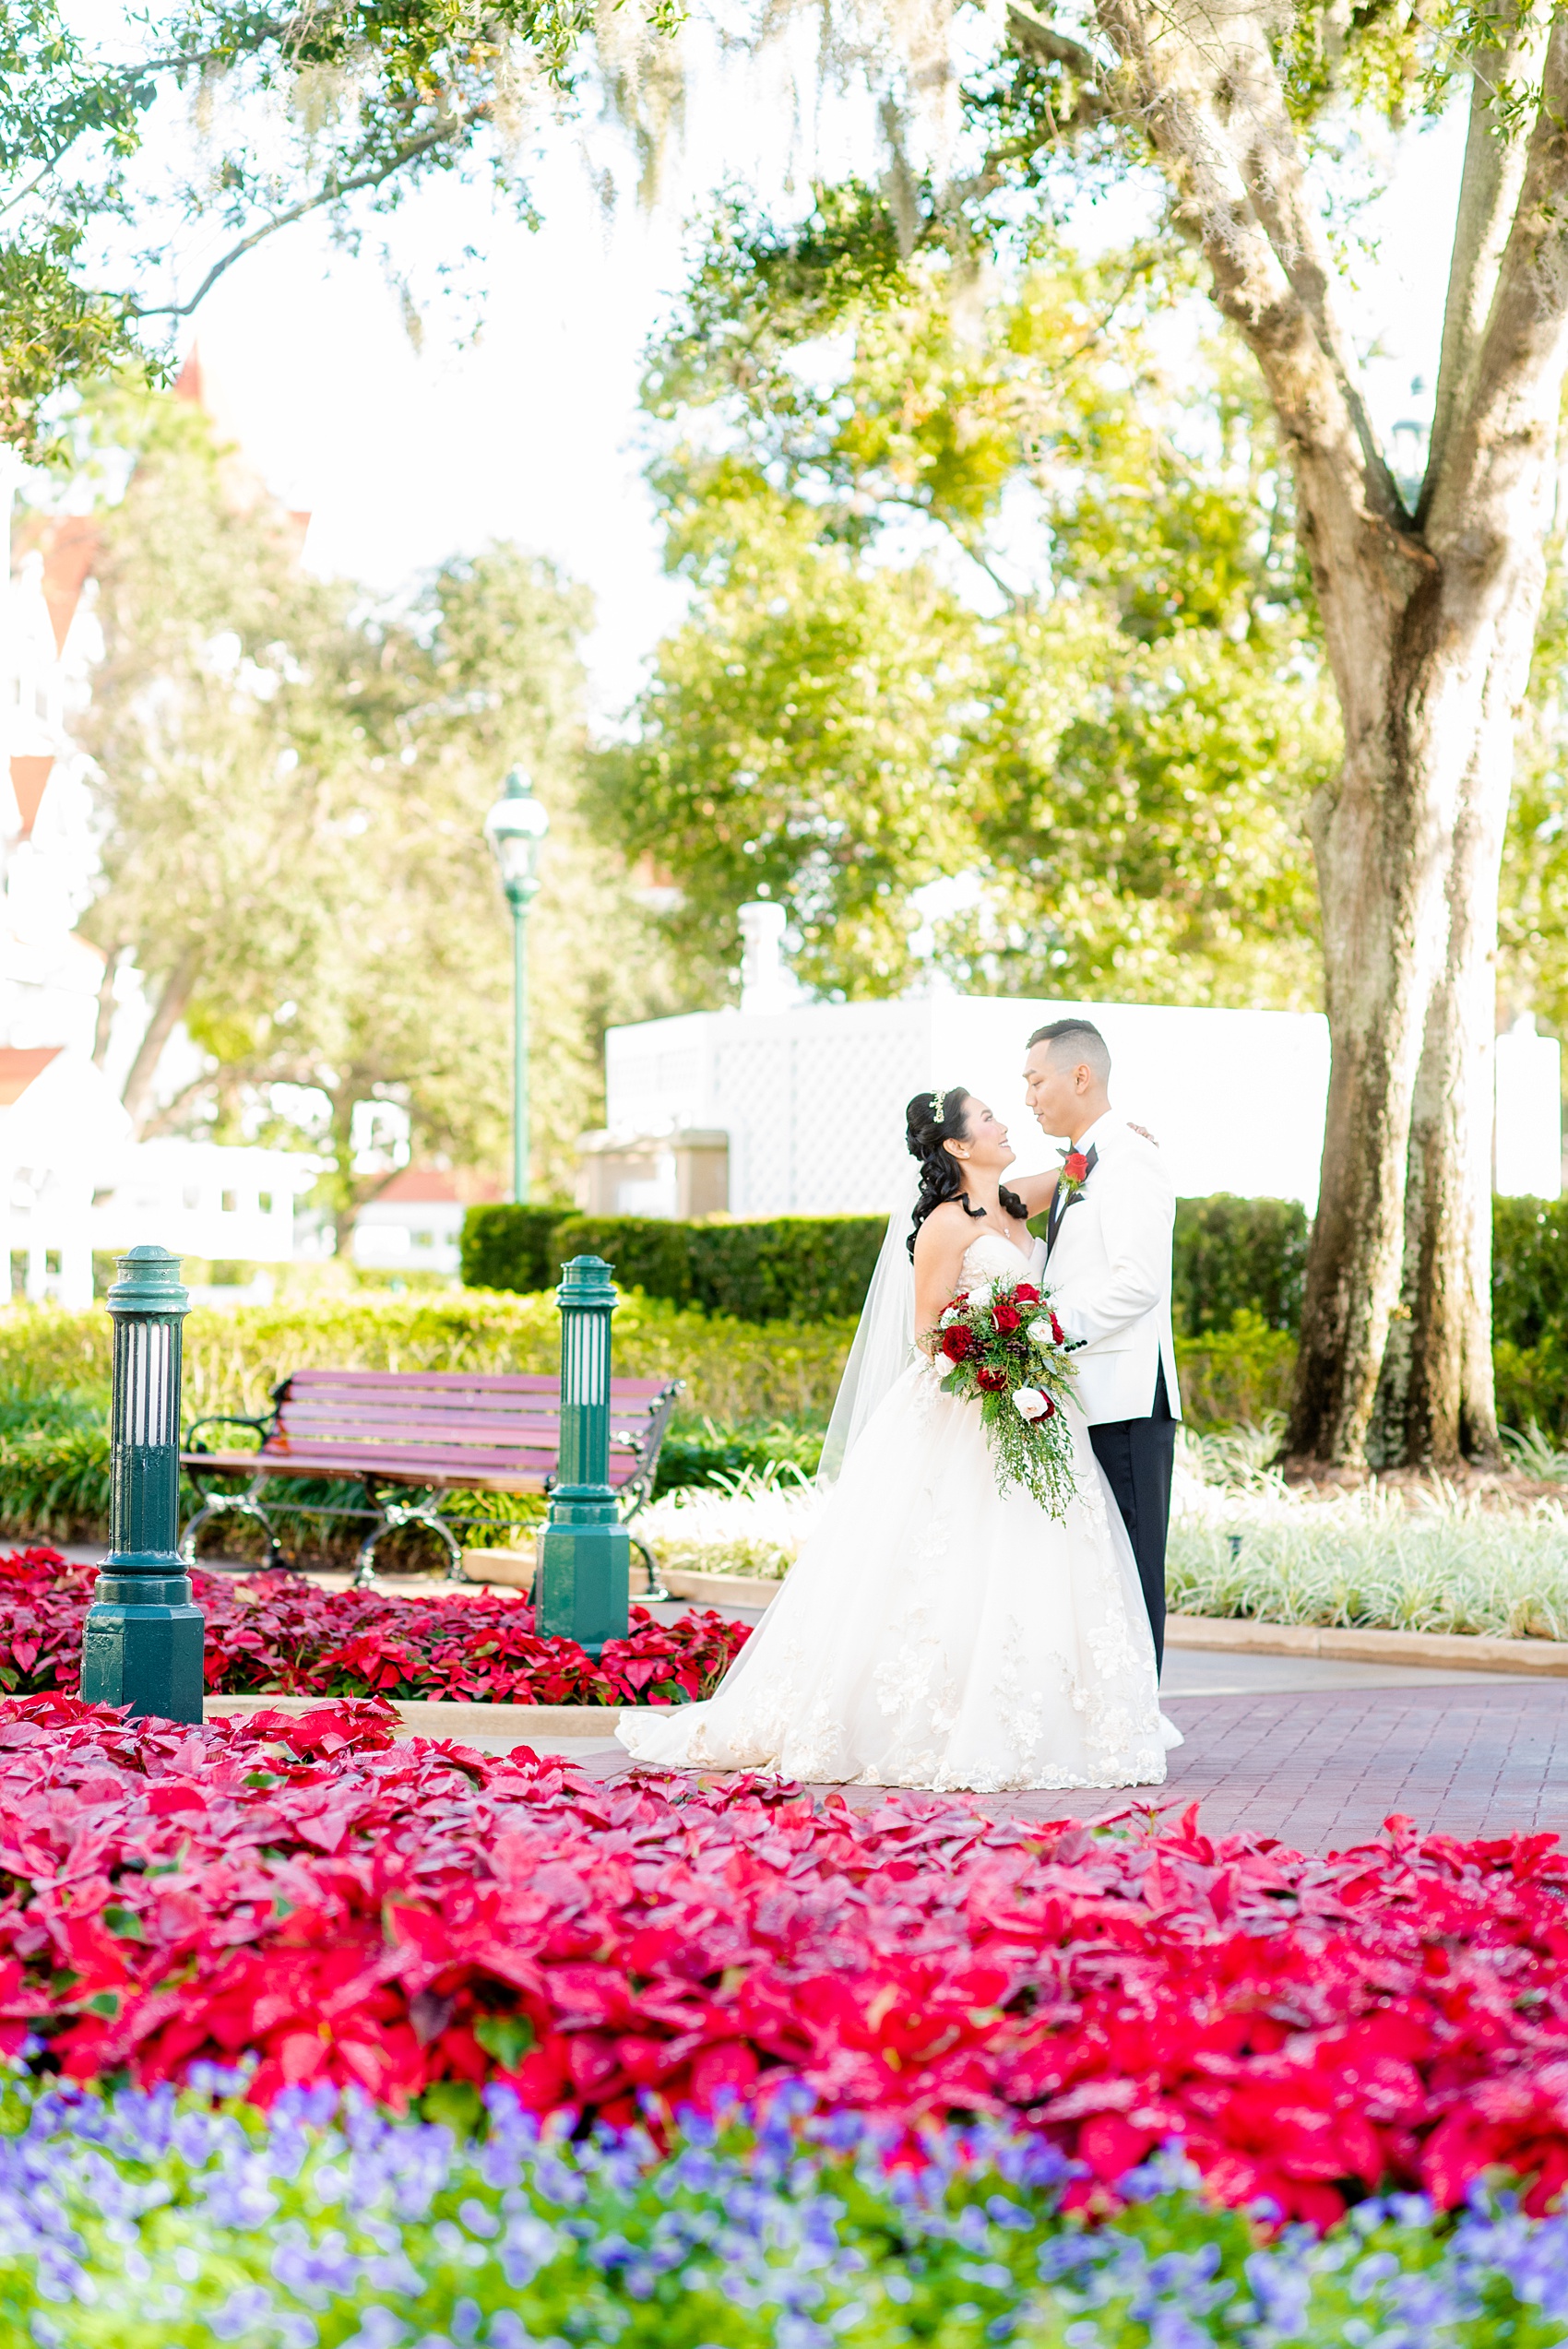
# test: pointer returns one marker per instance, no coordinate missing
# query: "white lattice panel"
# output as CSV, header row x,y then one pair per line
x,y
813,1100
815,1114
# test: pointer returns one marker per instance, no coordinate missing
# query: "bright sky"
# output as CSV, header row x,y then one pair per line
x,y
533,432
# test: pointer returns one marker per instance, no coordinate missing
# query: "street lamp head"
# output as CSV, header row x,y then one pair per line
x,y
515,826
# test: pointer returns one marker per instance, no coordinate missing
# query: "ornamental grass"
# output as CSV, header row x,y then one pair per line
x,y
141,2221
278,1635
323,1907
1245,1543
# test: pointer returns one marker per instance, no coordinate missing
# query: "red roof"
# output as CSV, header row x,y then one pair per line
x,y
19,1066
438,1186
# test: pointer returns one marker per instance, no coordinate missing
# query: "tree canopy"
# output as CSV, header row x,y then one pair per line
x,y
293,783
980,591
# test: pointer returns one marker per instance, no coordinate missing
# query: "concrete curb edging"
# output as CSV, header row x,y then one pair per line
x,y
1453,1651
720,1590
433,1718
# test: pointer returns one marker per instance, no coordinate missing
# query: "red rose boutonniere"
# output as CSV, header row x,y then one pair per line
x,y
1074,1171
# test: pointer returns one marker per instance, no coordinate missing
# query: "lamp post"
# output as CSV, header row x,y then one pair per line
x,y
142,1639
581,1588
514,828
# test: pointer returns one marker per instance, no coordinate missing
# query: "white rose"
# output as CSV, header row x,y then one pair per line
x,y
1041,1331
982,1293
950,1313
1029,1402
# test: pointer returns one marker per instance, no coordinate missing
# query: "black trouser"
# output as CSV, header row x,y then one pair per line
x,y
1138,1456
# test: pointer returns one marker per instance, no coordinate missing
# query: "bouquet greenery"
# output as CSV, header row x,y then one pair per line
x,y
1005,1350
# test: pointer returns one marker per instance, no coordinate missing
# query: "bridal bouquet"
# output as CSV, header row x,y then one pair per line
x,y
1004,1348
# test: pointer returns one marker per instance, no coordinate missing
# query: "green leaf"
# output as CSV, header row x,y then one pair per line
x,y
508,2037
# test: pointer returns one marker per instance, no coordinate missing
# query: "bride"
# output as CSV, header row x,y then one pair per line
x,y
934,1631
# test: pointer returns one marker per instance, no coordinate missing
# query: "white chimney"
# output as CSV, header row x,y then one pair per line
x,y
765,985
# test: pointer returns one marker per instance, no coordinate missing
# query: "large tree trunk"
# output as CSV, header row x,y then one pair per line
x,y
174,995
1409,846
1429,619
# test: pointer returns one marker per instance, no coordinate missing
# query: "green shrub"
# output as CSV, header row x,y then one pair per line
x,y
512,1247
781,1268
1237,1376
649,1252
692,1455
806,1268
1238,1256
1529,1270
733,1370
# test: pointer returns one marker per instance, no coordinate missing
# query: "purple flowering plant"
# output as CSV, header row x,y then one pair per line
x,y
158,2220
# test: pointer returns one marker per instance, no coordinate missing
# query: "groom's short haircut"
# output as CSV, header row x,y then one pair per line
x,y
1081,1039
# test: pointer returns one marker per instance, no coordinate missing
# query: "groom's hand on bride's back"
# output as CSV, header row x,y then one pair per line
x,y
1143,1129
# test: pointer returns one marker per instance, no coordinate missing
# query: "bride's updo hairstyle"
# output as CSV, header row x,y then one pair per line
x,y
931,1120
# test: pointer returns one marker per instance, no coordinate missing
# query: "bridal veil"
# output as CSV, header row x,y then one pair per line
x,y
885,1339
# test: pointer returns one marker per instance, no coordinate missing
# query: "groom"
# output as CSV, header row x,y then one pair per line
x,y
1107,1266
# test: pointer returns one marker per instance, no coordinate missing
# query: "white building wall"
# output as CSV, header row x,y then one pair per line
x,y
812,1099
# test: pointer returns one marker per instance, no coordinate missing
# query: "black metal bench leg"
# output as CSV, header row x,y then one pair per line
x,y
395,1513
234,1505
654,1589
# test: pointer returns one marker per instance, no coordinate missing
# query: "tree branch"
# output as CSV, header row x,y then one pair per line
x,y
1033,35
1214,115
173,996
332,193
1488,193
1500,440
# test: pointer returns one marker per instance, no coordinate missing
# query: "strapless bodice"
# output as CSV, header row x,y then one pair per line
x,y
993,1258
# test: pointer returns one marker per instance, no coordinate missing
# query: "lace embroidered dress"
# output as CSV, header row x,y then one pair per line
x,y
934,1632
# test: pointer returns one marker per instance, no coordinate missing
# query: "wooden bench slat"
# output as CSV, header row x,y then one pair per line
x,y
541,1441
517,1478
496,1432
328,1412
410,1426
423,1438
449,1381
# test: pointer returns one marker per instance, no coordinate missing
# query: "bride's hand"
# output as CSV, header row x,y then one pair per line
x,y
1143,1129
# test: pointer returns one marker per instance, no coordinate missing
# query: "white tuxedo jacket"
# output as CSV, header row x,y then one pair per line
x,y
1109,1274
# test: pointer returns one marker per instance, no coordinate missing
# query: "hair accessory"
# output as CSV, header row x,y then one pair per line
x,y
937,1101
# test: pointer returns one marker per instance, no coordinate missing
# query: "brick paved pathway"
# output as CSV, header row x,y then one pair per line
x,y
1323,1770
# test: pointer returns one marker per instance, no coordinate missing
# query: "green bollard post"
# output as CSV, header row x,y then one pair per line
x,y
142,1639
582,1592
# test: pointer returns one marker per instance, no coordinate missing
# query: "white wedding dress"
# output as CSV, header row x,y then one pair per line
x,y
934,1632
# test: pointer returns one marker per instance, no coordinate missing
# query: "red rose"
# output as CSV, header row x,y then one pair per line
x,y
1024,1295
1049,1410
957,1342
1074,1166
1056,1331
993,1381
1004,1317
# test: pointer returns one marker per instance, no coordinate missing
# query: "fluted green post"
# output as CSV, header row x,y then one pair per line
x,y
582,1590
142,1639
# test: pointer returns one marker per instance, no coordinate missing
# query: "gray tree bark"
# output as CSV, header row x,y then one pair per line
x,y
178,982
1429,621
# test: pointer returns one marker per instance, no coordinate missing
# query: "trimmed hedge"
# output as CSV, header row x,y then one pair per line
x,y
1238,1256
784,1268
1231,1256
513,1246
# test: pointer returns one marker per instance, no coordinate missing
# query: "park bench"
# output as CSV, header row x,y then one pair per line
x,y
434,1434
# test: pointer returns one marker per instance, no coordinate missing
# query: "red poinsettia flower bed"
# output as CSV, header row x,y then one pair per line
x,y
308,1894
278,1635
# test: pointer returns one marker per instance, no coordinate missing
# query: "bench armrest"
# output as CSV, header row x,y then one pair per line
x,y
639,1486
225,1419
